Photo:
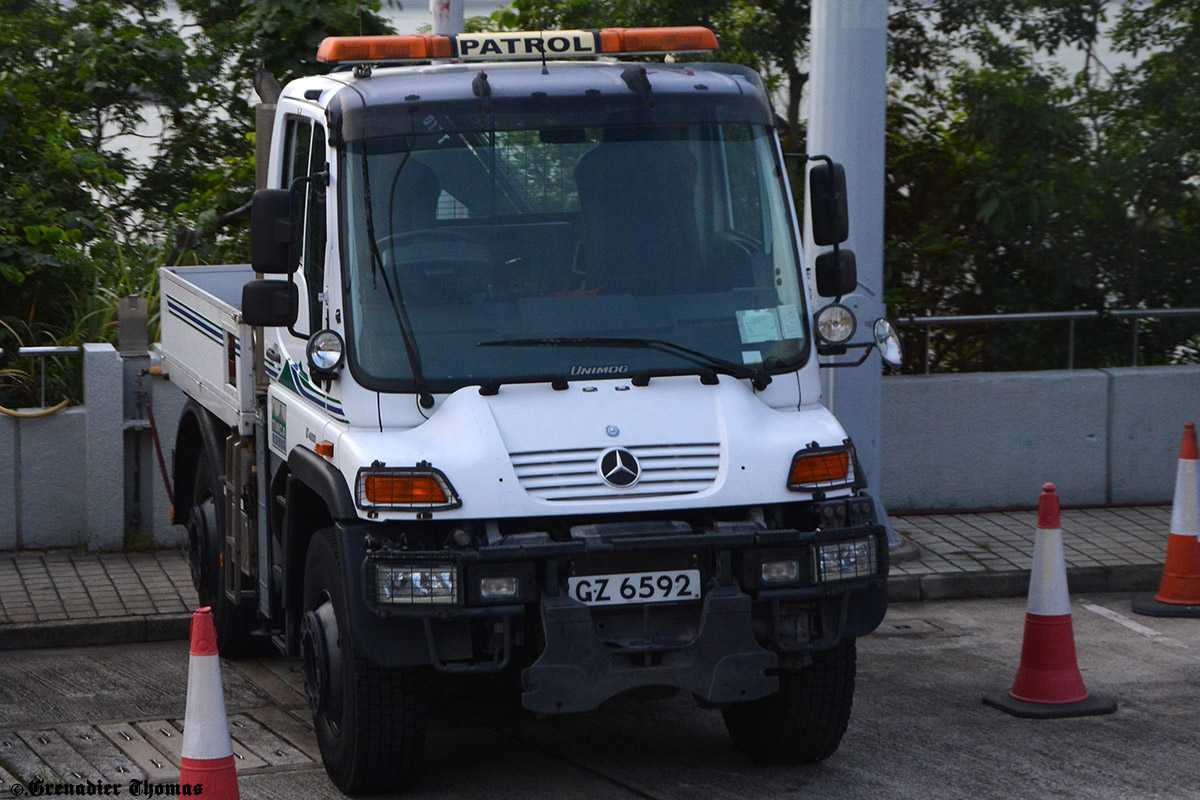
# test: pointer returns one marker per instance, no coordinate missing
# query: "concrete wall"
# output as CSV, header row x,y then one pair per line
x,y
990,440
982,440
64,478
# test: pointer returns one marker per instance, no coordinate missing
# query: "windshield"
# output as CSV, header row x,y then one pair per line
x,y
675,233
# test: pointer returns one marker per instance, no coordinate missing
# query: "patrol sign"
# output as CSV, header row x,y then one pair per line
x,y
527,44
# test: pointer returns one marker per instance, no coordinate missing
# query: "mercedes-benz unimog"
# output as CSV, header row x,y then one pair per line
x,y
523,379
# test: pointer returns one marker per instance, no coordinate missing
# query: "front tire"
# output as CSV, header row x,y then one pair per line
x,y
804,721
369,720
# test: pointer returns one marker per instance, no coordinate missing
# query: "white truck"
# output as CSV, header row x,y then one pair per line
x,y
530,386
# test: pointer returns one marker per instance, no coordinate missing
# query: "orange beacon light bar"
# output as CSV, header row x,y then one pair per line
x,y
517,44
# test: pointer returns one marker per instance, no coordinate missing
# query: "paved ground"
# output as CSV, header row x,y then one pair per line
x,y
72,598
919,729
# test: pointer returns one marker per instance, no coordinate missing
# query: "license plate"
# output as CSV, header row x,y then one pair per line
x,y
635,587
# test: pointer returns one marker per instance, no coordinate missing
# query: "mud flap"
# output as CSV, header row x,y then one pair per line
x,y
576,672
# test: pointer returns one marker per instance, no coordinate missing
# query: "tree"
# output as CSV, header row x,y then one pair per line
x,y
81,221
771,36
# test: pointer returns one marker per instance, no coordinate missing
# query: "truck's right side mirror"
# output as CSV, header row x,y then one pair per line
x,y
271,229
827,193
270,304
837,273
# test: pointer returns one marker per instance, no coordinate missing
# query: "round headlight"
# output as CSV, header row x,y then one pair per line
x,y
888,342
326,351
835,323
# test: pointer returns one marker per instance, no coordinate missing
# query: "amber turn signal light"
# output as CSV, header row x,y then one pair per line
x,y
822,469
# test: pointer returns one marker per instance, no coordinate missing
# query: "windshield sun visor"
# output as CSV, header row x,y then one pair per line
x,y
565,97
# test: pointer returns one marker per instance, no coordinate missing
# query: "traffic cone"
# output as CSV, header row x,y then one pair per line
x,y
1048,683
207,754
1179,593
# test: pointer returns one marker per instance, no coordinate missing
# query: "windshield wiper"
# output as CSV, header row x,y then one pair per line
x,y
424,398
759,379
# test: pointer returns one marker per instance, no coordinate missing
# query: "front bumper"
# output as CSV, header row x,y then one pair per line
x,y
724,648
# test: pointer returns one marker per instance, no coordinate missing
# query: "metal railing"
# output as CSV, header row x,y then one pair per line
x,y
42,353
1135,315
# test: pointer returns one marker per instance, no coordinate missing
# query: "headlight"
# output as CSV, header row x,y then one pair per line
x,y
504,587
419,488
416,584
785,570
836,324
838,561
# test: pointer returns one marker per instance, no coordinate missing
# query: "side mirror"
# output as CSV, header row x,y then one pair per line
x,y
270,304
271,228
827,193
888,342
837,273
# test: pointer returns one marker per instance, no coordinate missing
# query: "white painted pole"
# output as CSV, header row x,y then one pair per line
x,y
447,16
846,122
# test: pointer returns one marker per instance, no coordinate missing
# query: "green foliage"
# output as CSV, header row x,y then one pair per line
x,y
82,222
1012,185
770,36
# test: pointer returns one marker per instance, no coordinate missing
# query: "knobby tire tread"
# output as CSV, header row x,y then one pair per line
x,y
387,721
803,722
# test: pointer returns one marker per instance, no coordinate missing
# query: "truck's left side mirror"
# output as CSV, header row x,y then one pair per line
x,y
837,273
270,304
827,193
271,228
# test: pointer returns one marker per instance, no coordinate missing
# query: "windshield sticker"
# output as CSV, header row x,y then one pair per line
x,y
789,322
751,358
279,426
758,325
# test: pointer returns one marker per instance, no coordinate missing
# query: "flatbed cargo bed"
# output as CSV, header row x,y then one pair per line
x,y
202,335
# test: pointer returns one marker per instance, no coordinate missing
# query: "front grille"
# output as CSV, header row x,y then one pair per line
x,y
666,470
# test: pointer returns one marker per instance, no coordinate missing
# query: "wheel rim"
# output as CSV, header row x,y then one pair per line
x,y
322,663
201,523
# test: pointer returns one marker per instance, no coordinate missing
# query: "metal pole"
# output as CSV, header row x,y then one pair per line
x,y
846,122
1071,343
448,16
928,344
1136,330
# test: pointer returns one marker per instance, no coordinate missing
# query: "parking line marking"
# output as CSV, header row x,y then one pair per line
x,y
1134,626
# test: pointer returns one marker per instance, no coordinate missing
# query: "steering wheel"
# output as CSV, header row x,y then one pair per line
x,y
434,249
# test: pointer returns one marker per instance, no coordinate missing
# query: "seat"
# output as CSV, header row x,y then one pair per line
x,y
414,198
638,215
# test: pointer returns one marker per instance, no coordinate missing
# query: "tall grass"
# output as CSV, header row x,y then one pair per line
x,y
95,320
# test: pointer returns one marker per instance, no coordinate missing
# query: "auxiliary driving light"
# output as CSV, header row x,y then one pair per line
x,y
836,324
839,561
501,588
780,571
416,584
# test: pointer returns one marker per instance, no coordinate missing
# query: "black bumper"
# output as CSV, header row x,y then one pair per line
x,y
728,645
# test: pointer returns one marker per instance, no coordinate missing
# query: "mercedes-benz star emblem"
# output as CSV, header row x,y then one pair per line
x,y
619,468
612,430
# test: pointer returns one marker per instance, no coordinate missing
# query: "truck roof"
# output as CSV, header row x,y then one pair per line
x,y
398,101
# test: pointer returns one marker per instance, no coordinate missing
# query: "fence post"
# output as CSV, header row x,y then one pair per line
x,y
104,447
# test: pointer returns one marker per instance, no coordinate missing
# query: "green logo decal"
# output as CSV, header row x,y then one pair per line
x,y
278,425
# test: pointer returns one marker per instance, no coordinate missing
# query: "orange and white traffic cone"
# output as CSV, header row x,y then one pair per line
x,y
1179,593
207,754
1048,682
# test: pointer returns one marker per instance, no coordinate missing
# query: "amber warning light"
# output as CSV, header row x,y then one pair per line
x,y
517,44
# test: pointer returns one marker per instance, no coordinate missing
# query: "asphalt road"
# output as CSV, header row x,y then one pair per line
x,y
919,728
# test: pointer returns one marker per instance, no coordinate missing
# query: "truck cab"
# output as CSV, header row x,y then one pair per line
x,y
523,379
